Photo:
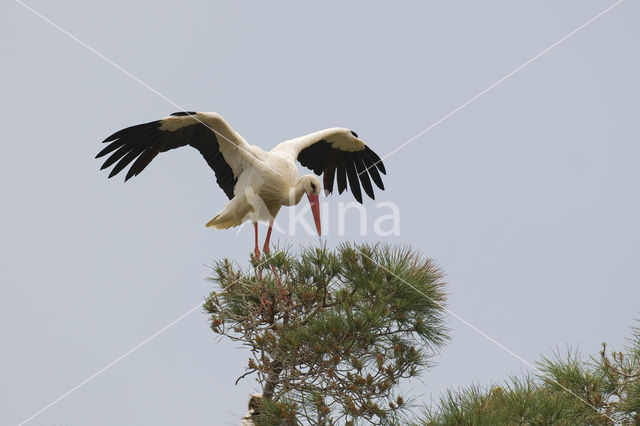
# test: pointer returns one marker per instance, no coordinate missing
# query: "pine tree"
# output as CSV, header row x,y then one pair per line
x,y
569,390
330,334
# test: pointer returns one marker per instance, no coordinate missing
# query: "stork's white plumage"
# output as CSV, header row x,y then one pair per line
x,y
258,183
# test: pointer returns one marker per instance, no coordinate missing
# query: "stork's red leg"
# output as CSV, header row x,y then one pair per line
x,y
267,251
263,301
256,251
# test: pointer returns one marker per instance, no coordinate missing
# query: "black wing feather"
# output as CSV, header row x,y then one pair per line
x,y
377,161
143,142
124,161
110,147
183,113
364,177
342,174
354,184
120,152
329,172
369,162
132,130
141,162
353,168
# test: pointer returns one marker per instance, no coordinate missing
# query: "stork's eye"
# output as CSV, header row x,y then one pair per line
x,y
354,133
313,188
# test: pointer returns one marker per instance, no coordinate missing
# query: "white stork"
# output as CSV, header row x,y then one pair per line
x,y
258,183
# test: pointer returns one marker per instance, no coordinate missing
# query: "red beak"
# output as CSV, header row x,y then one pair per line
x,y
315,209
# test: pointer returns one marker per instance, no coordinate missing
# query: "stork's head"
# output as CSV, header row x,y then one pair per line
x,y
311,186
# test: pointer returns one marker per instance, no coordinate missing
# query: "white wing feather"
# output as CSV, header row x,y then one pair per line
x,y
339,138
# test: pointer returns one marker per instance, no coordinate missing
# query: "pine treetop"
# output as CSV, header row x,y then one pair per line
x,y
331,333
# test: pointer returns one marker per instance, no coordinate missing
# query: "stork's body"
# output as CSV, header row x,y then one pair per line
x,y
258,183
260,192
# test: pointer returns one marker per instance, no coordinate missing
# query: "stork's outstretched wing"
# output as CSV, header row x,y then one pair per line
x,y
224,150
337,152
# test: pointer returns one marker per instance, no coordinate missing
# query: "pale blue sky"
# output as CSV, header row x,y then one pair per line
x,y
527,198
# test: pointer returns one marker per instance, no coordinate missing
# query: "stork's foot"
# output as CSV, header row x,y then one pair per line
x,y
267,253
257,254
283,293
260,273
283,296
264,304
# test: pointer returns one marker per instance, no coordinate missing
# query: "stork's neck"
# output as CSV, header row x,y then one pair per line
x,y
295,193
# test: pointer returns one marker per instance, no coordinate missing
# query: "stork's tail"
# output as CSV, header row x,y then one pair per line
x,y
222,222
232,215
